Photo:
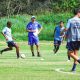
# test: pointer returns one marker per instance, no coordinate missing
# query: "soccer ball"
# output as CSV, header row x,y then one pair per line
x,y
23,56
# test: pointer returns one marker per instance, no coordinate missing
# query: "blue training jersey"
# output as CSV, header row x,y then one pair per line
x,y
33,26
57,35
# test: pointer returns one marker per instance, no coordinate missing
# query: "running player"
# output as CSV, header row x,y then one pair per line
x,y
58,36
73,27
9,39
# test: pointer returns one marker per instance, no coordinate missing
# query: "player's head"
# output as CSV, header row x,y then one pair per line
x,y
61,23
9,24
33,18
77,12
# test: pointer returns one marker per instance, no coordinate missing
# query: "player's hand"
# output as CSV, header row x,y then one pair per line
x,y
6,39
39,32
33,30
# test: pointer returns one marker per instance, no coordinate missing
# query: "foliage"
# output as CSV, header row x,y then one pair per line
x,y
11,7
48,21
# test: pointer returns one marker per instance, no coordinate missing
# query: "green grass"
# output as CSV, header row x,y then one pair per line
x,y
48,21
33,68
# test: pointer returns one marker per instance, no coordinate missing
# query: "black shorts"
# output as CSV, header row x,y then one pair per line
x,y
73,45
11,44
56,42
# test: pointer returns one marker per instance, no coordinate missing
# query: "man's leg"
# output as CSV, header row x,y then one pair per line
x,y
71,53
6,49
31,43
75,61
32,50
57,48
54,48
17,50
37,48
68,55
36,41
58,43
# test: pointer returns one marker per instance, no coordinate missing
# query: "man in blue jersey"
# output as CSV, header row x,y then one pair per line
x,y
73,27
58,36
33,28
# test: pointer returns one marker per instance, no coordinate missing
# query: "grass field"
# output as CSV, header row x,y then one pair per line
x,y
34,68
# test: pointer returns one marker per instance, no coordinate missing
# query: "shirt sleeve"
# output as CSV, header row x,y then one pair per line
x,y
4,30
39,26
68,24
27,27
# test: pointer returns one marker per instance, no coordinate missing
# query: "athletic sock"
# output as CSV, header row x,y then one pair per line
x,y
33,54
74,67
68,57
18,55
38,54
54,48
57,48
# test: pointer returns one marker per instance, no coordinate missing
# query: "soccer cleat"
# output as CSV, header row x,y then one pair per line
x,y
68,60
73,71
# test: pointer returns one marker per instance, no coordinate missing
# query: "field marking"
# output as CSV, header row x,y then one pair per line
x,y
60,70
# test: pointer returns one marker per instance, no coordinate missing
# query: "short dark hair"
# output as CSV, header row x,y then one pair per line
x,y
8,23
61,22
76,10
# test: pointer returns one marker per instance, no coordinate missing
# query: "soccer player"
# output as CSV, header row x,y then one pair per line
x,y
73,27
33,28
58,36
9,39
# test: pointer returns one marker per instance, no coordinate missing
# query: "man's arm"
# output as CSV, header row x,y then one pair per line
x,y
4,35
30,30
40,30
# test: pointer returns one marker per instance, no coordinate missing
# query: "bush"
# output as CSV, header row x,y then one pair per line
x,y
48,21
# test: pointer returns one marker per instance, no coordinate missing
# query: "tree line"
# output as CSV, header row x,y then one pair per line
x,y
12,7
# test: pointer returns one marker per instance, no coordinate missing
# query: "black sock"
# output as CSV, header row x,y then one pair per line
x,y
54,48
38,54
74,67
33,54
7,49
57,48
68,57
18,55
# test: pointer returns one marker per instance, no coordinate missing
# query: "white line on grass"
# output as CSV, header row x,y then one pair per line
x,y
60,70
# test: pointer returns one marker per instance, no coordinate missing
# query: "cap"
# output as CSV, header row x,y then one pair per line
x,y
33,17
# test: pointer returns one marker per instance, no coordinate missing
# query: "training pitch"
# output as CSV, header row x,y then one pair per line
x,y
47,67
